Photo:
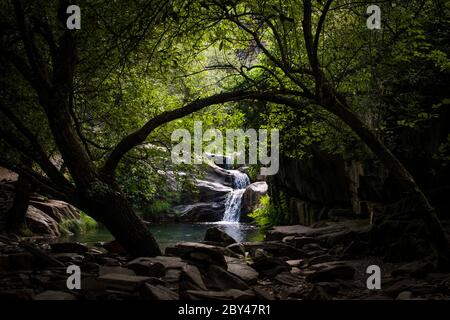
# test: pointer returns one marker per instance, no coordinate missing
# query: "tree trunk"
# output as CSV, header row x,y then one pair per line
x,y
110,207
15,219
405,180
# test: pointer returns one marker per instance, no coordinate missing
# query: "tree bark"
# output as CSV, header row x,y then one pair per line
x,y
15,219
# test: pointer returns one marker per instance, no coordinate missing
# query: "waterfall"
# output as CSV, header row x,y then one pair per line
x,y
234,198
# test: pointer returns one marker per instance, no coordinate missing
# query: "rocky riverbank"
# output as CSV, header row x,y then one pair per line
x,y
295,262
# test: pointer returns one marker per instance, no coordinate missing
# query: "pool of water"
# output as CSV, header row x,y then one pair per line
x,y
168,234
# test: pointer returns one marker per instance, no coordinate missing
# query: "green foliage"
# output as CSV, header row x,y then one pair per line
x,y
78,226
268,215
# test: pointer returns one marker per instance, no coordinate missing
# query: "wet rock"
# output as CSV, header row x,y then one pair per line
x,y
55,295
147,267
69,247
221,279
168,262
270,266
251,197
326,272
232,294
122,281
158,292
216,235
199,253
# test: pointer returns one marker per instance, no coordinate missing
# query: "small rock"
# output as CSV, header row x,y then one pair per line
x,y
69,247
73,258
114,247
159,292
232,294
147,267
122,281
298,242
55,295
117,270
326,272
295,263
321,259
287,278
405,295
262,294
16,294
414,269
216,235
270,266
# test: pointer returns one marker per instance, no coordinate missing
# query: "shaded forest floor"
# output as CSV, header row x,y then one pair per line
x,y
295,262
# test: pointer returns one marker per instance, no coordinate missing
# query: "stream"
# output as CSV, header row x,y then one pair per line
x,y
168,234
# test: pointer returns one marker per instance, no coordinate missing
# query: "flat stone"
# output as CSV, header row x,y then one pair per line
x,y
326,272
200,253
55,295
322,259
405,295
16,294
232,294
69,247
172,275
223,280
298,242
288,278
191,273
159,292
296,263
122,281
147,267
270,266
103,270
243,271
169,262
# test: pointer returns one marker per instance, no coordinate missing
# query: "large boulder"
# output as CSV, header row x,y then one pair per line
x,y
198,253
214,234
40,223
58,210
251,196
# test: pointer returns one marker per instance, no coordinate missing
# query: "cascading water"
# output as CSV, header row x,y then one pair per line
x,y
234,198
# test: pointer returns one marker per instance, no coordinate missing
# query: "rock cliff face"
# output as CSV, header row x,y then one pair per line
x,y
309,188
